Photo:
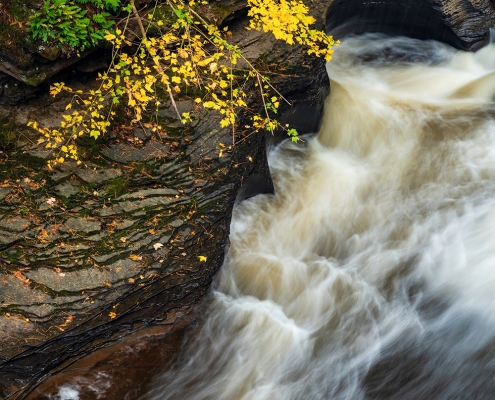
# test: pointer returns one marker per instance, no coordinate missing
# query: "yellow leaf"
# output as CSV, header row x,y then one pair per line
x,y
94,133
112,315
69,106
202,258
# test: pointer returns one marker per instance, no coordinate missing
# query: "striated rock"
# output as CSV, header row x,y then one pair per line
x,y
84,225
92,279
459,23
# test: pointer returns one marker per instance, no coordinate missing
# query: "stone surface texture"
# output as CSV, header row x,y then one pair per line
x,y
90,255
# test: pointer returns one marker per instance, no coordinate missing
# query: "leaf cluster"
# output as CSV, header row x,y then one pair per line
x,y
80,24
190,52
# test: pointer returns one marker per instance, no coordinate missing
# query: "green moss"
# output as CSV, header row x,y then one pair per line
x,y
8,134
90,147
19,164
35,80
11,256
118,186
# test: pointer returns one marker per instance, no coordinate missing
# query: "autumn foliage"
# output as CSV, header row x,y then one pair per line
x,y
189,52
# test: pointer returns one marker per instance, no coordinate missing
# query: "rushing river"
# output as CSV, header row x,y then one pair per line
x,y
371,273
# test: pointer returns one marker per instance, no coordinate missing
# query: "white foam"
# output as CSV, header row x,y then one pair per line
x,y
68,393
389,206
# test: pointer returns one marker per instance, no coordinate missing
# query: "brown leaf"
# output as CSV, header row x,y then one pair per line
x,y
20,276
68,320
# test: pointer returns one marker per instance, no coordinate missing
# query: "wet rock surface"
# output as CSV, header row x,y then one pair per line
x,y
74,241
91,255
459,23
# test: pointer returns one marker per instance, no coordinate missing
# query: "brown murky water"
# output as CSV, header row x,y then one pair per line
x,y
122,371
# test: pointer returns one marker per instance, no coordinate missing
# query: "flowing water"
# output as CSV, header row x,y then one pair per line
x,y
371,273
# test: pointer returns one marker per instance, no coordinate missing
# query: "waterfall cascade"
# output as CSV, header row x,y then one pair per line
x,y
371,273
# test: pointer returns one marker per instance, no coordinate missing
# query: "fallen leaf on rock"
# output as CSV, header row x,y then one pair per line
x,y
42,234
157,246
202,258
131,280
135,257
20,276
68,320
112,315
51,201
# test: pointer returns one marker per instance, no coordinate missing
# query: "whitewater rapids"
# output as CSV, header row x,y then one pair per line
x,y
371,273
